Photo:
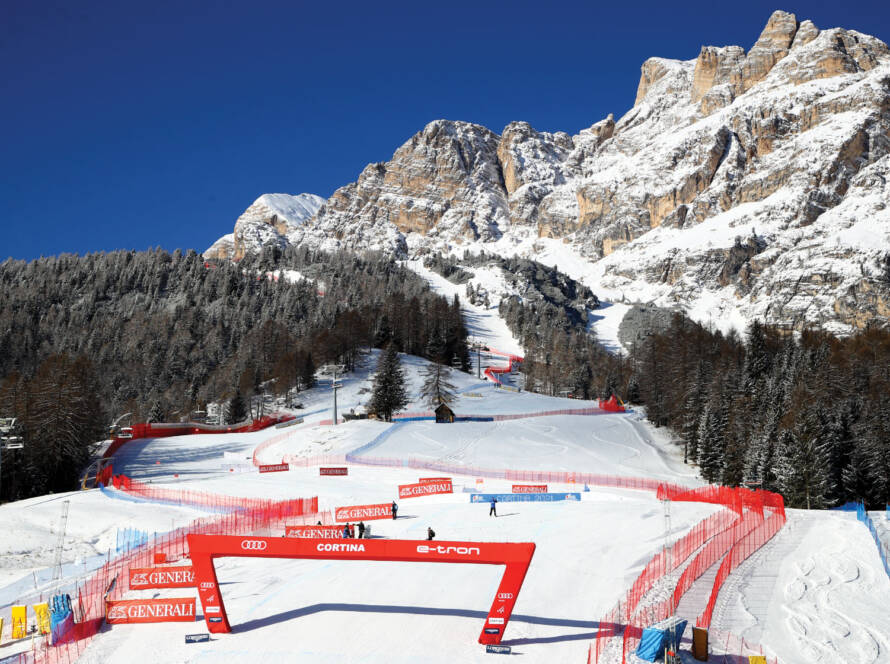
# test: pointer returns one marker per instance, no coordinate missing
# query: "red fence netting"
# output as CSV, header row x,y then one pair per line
x,y
163,430
243,516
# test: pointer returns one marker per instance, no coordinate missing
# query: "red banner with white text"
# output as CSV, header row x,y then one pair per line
x,y
173,609
363,512
162,577
321,532
425,489
333,471
529,488
274,468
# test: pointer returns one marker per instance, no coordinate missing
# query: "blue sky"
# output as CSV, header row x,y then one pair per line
x,y
134,125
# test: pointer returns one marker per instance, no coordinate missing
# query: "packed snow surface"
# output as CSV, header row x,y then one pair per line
x,y
825,596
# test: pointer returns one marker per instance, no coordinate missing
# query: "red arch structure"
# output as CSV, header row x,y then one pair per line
x,y
203,549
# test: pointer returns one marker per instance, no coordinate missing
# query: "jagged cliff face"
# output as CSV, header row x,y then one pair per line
x,y
740,185
272,219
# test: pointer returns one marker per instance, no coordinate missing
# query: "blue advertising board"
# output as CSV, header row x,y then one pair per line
x,y
197,638
501,650
523,497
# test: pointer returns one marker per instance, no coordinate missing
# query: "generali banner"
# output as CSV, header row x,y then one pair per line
x,y
274,468
323,532
427,480
363,512
162,577
529,488
425,489
333,471
173,609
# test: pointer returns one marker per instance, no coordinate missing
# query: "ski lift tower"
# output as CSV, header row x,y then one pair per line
x,y
9,438
478,346
333,370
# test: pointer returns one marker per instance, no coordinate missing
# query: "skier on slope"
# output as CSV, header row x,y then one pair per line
x,y
493,509
430,533
395,509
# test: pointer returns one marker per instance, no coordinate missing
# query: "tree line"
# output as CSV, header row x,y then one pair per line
x,y
160,334
805,415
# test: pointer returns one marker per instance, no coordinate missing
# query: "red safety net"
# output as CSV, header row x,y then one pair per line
x,y
163,430
493,373
111,581
749,519
611,404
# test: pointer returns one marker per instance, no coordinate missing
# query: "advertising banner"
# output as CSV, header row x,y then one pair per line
x,y
289,423
363,512
274,468
172,609
513,557
197,638
529,488
162,577
333,471
523,497
425,489
427,480
321,532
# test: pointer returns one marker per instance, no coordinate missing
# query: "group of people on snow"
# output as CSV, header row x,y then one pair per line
x,y
365,531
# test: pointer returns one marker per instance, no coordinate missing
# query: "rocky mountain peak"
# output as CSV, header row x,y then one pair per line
x,y
775,146
269,220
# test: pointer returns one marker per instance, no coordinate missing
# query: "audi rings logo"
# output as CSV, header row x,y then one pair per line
x,y
254,545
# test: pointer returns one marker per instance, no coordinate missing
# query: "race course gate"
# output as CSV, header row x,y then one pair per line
x,y
203,549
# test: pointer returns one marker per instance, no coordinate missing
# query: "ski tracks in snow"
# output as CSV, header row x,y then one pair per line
x,y
810,594
823,630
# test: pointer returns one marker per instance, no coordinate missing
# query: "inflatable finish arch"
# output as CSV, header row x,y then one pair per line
x,y
517,557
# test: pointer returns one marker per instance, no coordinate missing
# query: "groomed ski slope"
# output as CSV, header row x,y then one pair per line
x,y
588,552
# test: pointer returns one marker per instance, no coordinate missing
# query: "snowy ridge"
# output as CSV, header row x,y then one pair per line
x,y
741,185
271,220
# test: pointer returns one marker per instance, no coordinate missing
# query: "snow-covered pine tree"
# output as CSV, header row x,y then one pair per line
x,y
733,472
856,478
237,408
389,394
307,372
157,413
437,389
803,468
708,445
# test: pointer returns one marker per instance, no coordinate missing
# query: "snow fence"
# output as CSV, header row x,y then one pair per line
x,y
164,430
111,581
863,517
746,522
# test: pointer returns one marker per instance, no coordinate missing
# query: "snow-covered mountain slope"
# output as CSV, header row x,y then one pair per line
x,y
739,186
815,593
270,220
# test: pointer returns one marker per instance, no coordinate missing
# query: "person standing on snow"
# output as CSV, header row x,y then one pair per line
x,y
493,509
361,529
430,533
346,531
395,508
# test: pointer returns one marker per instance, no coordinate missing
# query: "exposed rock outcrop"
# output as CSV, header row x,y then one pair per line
x,y
785,147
